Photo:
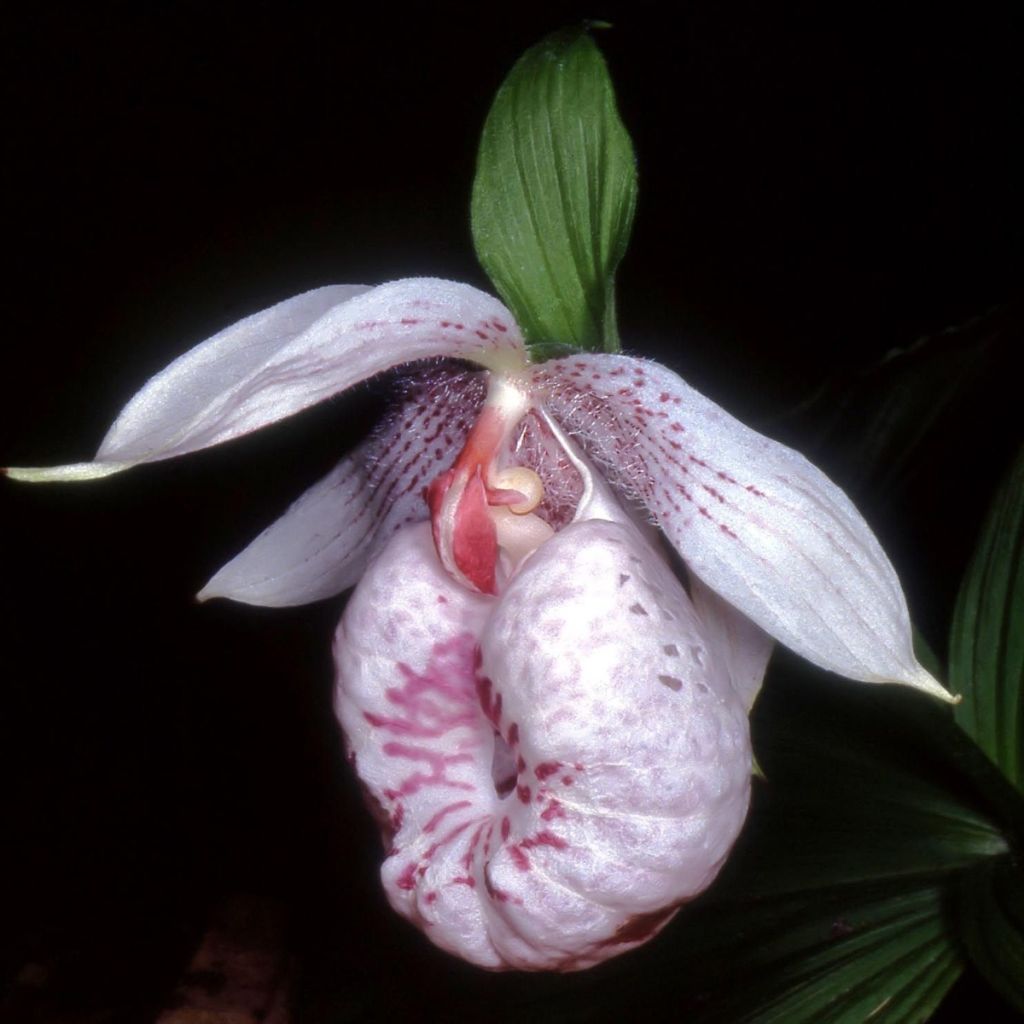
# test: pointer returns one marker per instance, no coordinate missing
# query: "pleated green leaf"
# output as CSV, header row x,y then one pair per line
x,y
880,423
844,957
833,906
554,195
990,907
987,640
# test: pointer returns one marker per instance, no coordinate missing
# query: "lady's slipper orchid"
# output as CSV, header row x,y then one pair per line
x,y
552,728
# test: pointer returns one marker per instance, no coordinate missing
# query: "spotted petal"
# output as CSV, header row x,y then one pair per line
x,y
304,350
752,518
629,751
322,544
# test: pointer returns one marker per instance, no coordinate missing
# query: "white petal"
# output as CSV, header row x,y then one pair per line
x,y
321,545
293,355
416,735
753,519
631,749
740,646
636,748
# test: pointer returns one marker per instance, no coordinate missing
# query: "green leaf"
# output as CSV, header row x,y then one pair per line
x,y
987,640
865,786
875,422
554,195
851,956
990,908
832,907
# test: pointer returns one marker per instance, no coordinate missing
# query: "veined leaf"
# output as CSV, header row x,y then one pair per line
x,y
990,908
875,422
844,957
554,194
832,908
868,779
987,640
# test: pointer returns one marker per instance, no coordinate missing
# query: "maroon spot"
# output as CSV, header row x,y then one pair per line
x,y
519,858
546,769
754,490
664,396
431,897
729,533
465,880
499,326
441,814
493,891
523,792
639,927
545,838
520,764
409,321
467,857
407,879
552,811
567,780
513,734
480,334
506,828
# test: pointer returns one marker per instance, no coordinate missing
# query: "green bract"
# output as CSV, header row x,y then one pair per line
x,y
554,195
987,643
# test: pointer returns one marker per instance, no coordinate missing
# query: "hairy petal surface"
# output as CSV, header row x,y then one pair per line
x,y
300,352
322,544
752,518
590,679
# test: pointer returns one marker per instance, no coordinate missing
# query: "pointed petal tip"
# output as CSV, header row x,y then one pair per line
x,y
68,473
925,682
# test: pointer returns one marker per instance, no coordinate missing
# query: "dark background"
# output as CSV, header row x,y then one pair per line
x,y
815,190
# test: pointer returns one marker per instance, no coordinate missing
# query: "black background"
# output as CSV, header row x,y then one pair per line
x,y
814,190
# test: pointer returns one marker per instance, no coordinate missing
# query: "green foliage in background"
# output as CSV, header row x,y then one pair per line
x,y
554,195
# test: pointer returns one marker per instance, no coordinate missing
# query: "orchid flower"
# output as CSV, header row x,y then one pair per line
x,y
548,718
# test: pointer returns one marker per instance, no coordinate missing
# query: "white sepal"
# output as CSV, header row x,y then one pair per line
x,y
300,352
752,518
322,544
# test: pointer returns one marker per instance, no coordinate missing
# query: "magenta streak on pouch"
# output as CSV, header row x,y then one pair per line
x,y
445,707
